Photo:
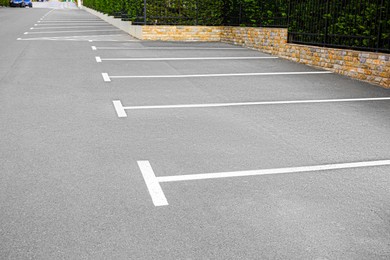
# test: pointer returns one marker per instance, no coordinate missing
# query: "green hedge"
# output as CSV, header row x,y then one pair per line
x,y
201,12
4,2
353,23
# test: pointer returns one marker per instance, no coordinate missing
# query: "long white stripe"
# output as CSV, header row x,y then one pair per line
x,y
256,103
98,59
198,58
48,25
223,75
155,191
171,48
94,49
69,27
273,171
108,30
72,21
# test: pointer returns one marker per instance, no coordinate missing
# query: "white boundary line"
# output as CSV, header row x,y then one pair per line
x,y
48,25
108,30
198,58
223,75
74,21
155,191
93,48
106,78
171,48
99,60
121,109
313,168
68,27
158,197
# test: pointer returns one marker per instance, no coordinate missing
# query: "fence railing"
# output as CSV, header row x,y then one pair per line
x,y
356,24
209,12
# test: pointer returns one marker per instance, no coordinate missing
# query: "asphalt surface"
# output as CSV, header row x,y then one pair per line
x,y
71,186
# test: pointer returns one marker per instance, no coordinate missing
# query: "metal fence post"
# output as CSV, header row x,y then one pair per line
x,y
326,21
378,41
145,12
197,12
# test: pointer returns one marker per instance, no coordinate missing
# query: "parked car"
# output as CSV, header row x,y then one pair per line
x,y
28,3
17,3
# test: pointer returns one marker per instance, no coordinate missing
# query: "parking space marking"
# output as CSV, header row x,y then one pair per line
x,y
183,59
155,191
173,48
68,27
93,48
69,24
106,78
159,199
107,30
72,20
57,22
224,75
314,168
101,37
98,60
121,110
40,25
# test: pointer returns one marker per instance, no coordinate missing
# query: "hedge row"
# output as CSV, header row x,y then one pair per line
x,y
355,23
4,2
199,12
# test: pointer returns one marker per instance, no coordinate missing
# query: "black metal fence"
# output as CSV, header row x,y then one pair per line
x,y
357,24
209,12
354,24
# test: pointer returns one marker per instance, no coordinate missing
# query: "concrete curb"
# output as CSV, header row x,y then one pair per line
x,y
127,27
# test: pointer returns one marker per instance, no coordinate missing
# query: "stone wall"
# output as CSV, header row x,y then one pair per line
x,y
181,33
367,66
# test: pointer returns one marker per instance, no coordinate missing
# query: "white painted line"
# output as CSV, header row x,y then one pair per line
x,y
108,30
98,59
18,39
198,58
225,75
119,108
48,25
32,28
273,171
26,33
35,24
155,191
93,48
69,27
73,21
106,77
255,103
90,40
171,48
38,21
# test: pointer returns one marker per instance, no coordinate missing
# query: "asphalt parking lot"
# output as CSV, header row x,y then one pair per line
x,y
115,148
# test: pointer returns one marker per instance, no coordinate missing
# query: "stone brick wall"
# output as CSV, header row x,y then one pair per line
x,y
181,33
269,40
366,66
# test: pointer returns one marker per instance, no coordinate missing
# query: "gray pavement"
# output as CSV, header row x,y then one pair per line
x,y
71,187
